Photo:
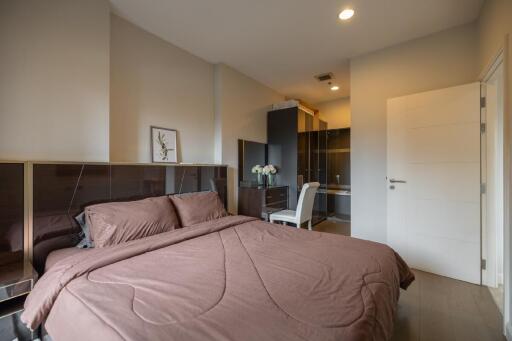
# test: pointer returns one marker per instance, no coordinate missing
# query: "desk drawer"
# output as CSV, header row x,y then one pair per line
x,y
282,205
275,195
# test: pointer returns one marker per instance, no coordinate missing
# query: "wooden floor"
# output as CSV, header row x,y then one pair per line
x,y
440,308
436,308
330,226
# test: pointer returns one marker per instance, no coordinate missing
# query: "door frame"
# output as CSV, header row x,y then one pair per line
x,y
503,55
489,273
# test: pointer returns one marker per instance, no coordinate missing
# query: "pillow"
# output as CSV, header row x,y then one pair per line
x,y
86,241
117,222
195,208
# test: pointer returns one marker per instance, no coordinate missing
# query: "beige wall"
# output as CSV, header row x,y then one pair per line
x,y
441,60
156,83
61,75
494,34
54,80
241,113
336,112
494,23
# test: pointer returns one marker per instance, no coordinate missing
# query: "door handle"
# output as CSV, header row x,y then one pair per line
x,y
393,181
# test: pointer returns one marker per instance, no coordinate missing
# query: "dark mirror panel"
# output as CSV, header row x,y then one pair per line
x,y
137,182
320,173
187,180
338,159
302,159
250,154
338,174
61,191
219,181
311,166
92,187
11,212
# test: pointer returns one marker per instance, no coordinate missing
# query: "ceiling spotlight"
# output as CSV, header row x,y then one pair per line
x,y
335,88
346,14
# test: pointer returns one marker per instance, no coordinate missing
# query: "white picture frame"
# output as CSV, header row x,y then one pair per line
x,y
163,145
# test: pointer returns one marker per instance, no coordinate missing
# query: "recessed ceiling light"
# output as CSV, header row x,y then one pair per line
x,y
346,14
335,88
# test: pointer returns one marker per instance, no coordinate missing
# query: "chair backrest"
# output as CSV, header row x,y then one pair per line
x,y
306,201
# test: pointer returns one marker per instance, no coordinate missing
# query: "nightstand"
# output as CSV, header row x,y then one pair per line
x,y
16,282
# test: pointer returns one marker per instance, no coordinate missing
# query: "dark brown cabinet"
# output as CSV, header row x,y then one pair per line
x,y
259,201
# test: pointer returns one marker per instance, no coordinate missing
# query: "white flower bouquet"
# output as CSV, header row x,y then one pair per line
x,y
257,169
269,170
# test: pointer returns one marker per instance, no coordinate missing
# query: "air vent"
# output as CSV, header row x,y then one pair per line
x,y
324,77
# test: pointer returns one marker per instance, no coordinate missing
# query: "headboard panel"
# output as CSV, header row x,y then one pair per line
x,y
61,191
11,212
137,182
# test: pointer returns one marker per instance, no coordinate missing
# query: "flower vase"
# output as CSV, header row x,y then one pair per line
x,y
260,179
271,180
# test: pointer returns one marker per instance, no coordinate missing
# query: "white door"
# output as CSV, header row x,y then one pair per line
x,y
433,163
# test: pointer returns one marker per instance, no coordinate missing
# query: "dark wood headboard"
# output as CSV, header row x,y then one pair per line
x,y
61,191
12,214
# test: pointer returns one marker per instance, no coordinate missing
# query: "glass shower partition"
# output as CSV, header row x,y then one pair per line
x,y
312,161
318,171
338,174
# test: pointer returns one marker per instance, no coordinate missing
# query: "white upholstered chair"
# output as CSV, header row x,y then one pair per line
x,y
304,208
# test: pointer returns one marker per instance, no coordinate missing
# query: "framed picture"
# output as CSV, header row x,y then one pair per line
x,y
163,145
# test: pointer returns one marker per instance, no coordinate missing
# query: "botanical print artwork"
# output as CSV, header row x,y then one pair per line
x,y
163,143
164,151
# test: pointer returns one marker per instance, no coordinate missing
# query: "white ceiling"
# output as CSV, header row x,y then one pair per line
x,y
284,43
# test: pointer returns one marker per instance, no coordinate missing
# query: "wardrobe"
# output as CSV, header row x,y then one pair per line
x,y
297,144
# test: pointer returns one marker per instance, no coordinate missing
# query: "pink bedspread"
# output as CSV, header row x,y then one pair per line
x,y
234,278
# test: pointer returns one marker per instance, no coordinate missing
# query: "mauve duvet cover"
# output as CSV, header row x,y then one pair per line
x,y
233,278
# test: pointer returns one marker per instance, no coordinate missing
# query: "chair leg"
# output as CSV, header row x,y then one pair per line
x,y
310,227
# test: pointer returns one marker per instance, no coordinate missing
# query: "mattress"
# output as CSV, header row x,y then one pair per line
x,y
234,278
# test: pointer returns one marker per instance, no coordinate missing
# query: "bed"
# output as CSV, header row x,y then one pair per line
x,y
226,278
